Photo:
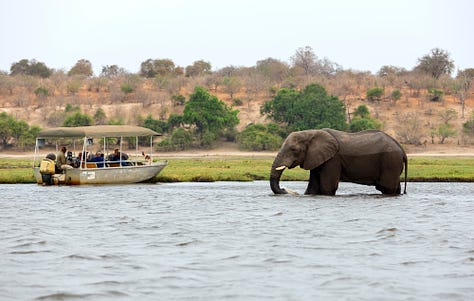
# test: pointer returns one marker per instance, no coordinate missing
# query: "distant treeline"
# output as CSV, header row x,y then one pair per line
x,y
284,92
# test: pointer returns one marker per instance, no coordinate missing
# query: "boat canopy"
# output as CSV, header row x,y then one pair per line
x,y
97,131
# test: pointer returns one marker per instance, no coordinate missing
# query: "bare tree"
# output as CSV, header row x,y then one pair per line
x,y
437,63
410,128
305,59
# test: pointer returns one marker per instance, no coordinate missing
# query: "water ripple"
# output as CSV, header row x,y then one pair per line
x,y
237,241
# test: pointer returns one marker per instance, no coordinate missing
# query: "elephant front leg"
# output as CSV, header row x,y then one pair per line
x,y
313,183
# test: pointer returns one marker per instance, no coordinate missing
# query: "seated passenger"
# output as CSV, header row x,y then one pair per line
x,y
99,157
116,156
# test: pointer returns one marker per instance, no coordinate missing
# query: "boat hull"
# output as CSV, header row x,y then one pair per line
x,y
105,175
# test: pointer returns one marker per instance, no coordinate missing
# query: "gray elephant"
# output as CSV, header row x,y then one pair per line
x,y
369,157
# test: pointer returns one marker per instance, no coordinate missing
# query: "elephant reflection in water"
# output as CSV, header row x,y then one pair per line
x,y
369,157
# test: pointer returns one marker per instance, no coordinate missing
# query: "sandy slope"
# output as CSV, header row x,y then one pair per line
x,y
230,150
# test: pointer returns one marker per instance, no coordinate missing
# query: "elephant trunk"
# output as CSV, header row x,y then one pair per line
x,y
275,176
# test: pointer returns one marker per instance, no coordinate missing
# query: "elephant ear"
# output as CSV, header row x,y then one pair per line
x,y
322,147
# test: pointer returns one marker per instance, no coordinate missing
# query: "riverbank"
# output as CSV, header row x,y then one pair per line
x,y
227,167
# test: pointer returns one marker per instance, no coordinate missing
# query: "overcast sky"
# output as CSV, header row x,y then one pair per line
x,y
357,34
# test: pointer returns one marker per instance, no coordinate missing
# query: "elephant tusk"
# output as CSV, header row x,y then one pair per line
x,y
280,167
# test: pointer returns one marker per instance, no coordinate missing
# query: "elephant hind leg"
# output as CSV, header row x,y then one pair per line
x,y
393,190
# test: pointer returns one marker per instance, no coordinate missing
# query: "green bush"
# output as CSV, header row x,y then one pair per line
x,y
126,88
208,139
396,94
311,108
259,137
78,119
180,140
41,92
179,99
435,94
362,120
375,94
361,124
237,102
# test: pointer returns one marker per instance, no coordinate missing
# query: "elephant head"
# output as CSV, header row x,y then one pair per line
x,y
307,149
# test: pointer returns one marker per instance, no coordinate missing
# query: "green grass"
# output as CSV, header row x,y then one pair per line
x,y
14,170
456,169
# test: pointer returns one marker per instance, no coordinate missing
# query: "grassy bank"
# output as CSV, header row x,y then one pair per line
x,y
13,170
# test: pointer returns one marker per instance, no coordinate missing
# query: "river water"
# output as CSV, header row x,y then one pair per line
x,y
235,241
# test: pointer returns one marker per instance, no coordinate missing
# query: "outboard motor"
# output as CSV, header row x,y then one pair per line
x,y
47,169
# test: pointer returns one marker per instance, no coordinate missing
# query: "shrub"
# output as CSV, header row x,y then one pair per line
x,y
126,88
435,94
237,102
41,92
363,121
361,124
375,94
396,95
78,119
258,137
468,126
179,99
180,140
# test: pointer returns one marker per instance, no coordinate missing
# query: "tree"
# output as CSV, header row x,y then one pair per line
x,y
363,121
388,70
33,68
311,108
448,115
112,71
100,117
158,126
162,67
396,95
17,132
273,69
82,67
6,127
231,85
374,94
258,137
445,131
437,63
305,59
198,68
410,128
180,140
468,126
78,119
208,114
464,79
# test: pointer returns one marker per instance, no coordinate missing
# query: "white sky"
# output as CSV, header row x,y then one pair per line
x,y
357,34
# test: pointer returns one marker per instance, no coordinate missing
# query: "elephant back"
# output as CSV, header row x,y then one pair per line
x,y
365,142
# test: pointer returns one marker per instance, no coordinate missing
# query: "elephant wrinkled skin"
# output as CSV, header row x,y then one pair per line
x,y
369,157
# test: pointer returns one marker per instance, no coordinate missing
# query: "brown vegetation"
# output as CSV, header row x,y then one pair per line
x,y
411,117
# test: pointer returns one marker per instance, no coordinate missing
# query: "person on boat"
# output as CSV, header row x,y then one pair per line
x,y
61,159
117,155
98,158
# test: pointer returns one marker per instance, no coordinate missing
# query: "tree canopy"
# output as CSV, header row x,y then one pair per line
x,y
208,113
437,63
16,131
33,68
311,108
82,67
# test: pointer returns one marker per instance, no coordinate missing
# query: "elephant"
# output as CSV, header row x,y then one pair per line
x,y
369,157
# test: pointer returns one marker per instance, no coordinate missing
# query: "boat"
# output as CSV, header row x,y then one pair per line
x,y
81,168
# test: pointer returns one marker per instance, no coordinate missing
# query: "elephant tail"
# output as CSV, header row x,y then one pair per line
x,y
405,160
